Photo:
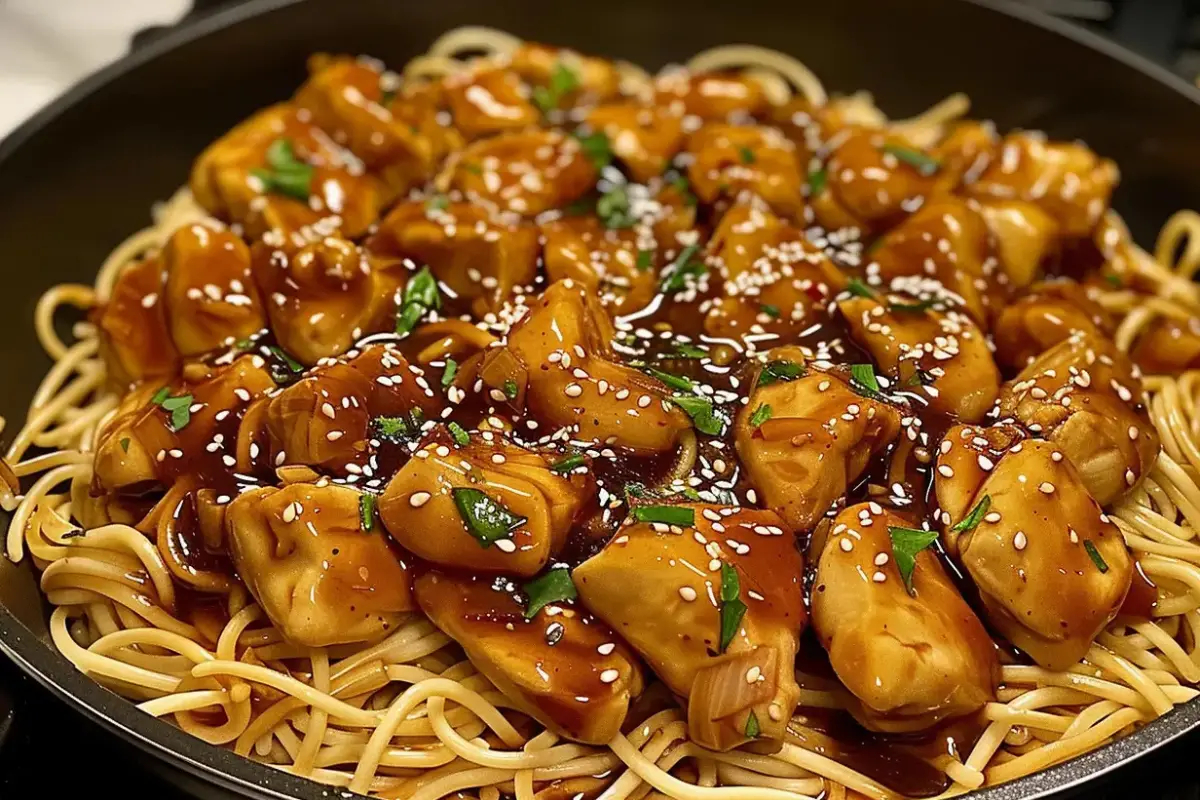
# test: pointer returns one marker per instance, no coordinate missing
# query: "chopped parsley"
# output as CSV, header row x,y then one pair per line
x,y
862,376
436,202
753,729
770,310
366,511
398,429
972,520
597,148
859,289
760,415
420,297
732,607
510,389
553,587
776,371
180,408
459,434
286,174
449,372
914,308
680,184
486,519
645,259
906,543
1095,556
704,415
684,264
676,382
681,516
746,155
125,444
816,182
563,81
921,162
686,350
283,369
613,208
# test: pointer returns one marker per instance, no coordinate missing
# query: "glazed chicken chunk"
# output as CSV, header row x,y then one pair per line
x,y
526,172
806,435
710,96
728,160
316,567
643,138
488,102
496,507
558,364
710,596
1048,314
560,665
1052,570
592,78
941,356
325,296
1084,396
909,649
609,263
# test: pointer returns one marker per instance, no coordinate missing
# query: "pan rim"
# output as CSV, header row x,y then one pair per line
x,y
222,767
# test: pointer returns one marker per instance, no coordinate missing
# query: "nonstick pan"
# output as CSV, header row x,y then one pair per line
x,y
82,174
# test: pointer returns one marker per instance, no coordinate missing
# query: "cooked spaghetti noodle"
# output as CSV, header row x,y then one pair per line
x,y
407,714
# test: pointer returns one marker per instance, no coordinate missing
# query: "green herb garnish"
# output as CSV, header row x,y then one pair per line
x,y
449,372
685,350
972,520
681,267
563,81
770,310
459,434
613,208
816,182
776,371
180,408
553,587
420,297
746,155
906,543
703,413
921,162
1095,556
284,369
680,184
914,308
597,148
676,382
760,415
398,429
732,607
645,259
1113,280
286,175
753,729
864,376
486,519
510,389
568,463
859,289
681,516
125,444
366,511
436,202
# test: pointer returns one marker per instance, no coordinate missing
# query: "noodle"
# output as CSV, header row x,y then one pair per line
x,y
407,717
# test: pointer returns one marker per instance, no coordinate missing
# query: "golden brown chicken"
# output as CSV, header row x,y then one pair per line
x,y
589,78
728,161
1026,237
940,356
1048,314
495,506
1168,346
898,634
716,97
526,172
643,138
710,596
612,264
1052,570
806,434
558,364
488,102
1084,396
318,564
559,664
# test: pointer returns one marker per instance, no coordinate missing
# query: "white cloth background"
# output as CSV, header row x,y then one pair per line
x,y
47,45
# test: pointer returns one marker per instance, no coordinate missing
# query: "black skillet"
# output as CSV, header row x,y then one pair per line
x,y
82,174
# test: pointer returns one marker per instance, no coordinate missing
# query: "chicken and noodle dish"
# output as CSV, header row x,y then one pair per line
x,y
522,424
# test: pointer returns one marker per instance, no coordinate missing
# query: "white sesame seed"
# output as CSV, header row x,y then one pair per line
x,y
879,577
328,410
881,559
609,675
1045,487
506,545
945,471
418,499
753,674
847,545
1019,541
687,593
606,648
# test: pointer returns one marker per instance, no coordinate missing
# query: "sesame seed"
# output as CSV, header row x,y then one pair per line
x,y
609,675
289,513
775,712
994,516
879,577
985,463
753,674
573,390
881,559
328,410
945,471
418,499
1046,487
1019,541
687,593
229,460
847,545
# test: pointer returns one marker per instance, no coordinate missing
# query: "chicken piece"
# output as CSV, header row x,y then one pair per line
x,y
773,278
488,102
713,602
210,297
135,339
1066,179
942,251
1026,238
809,127
964,152
312,178
806,435
328,418
871,179
561,666
609,263
1052,570
322,575
345,97
326,295
591,79
1168,346
644,138
938,355
419,106
186,427
713,97
495,506
910,658
527,172
1084,395
558,364
729,160
1048,314
478,256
